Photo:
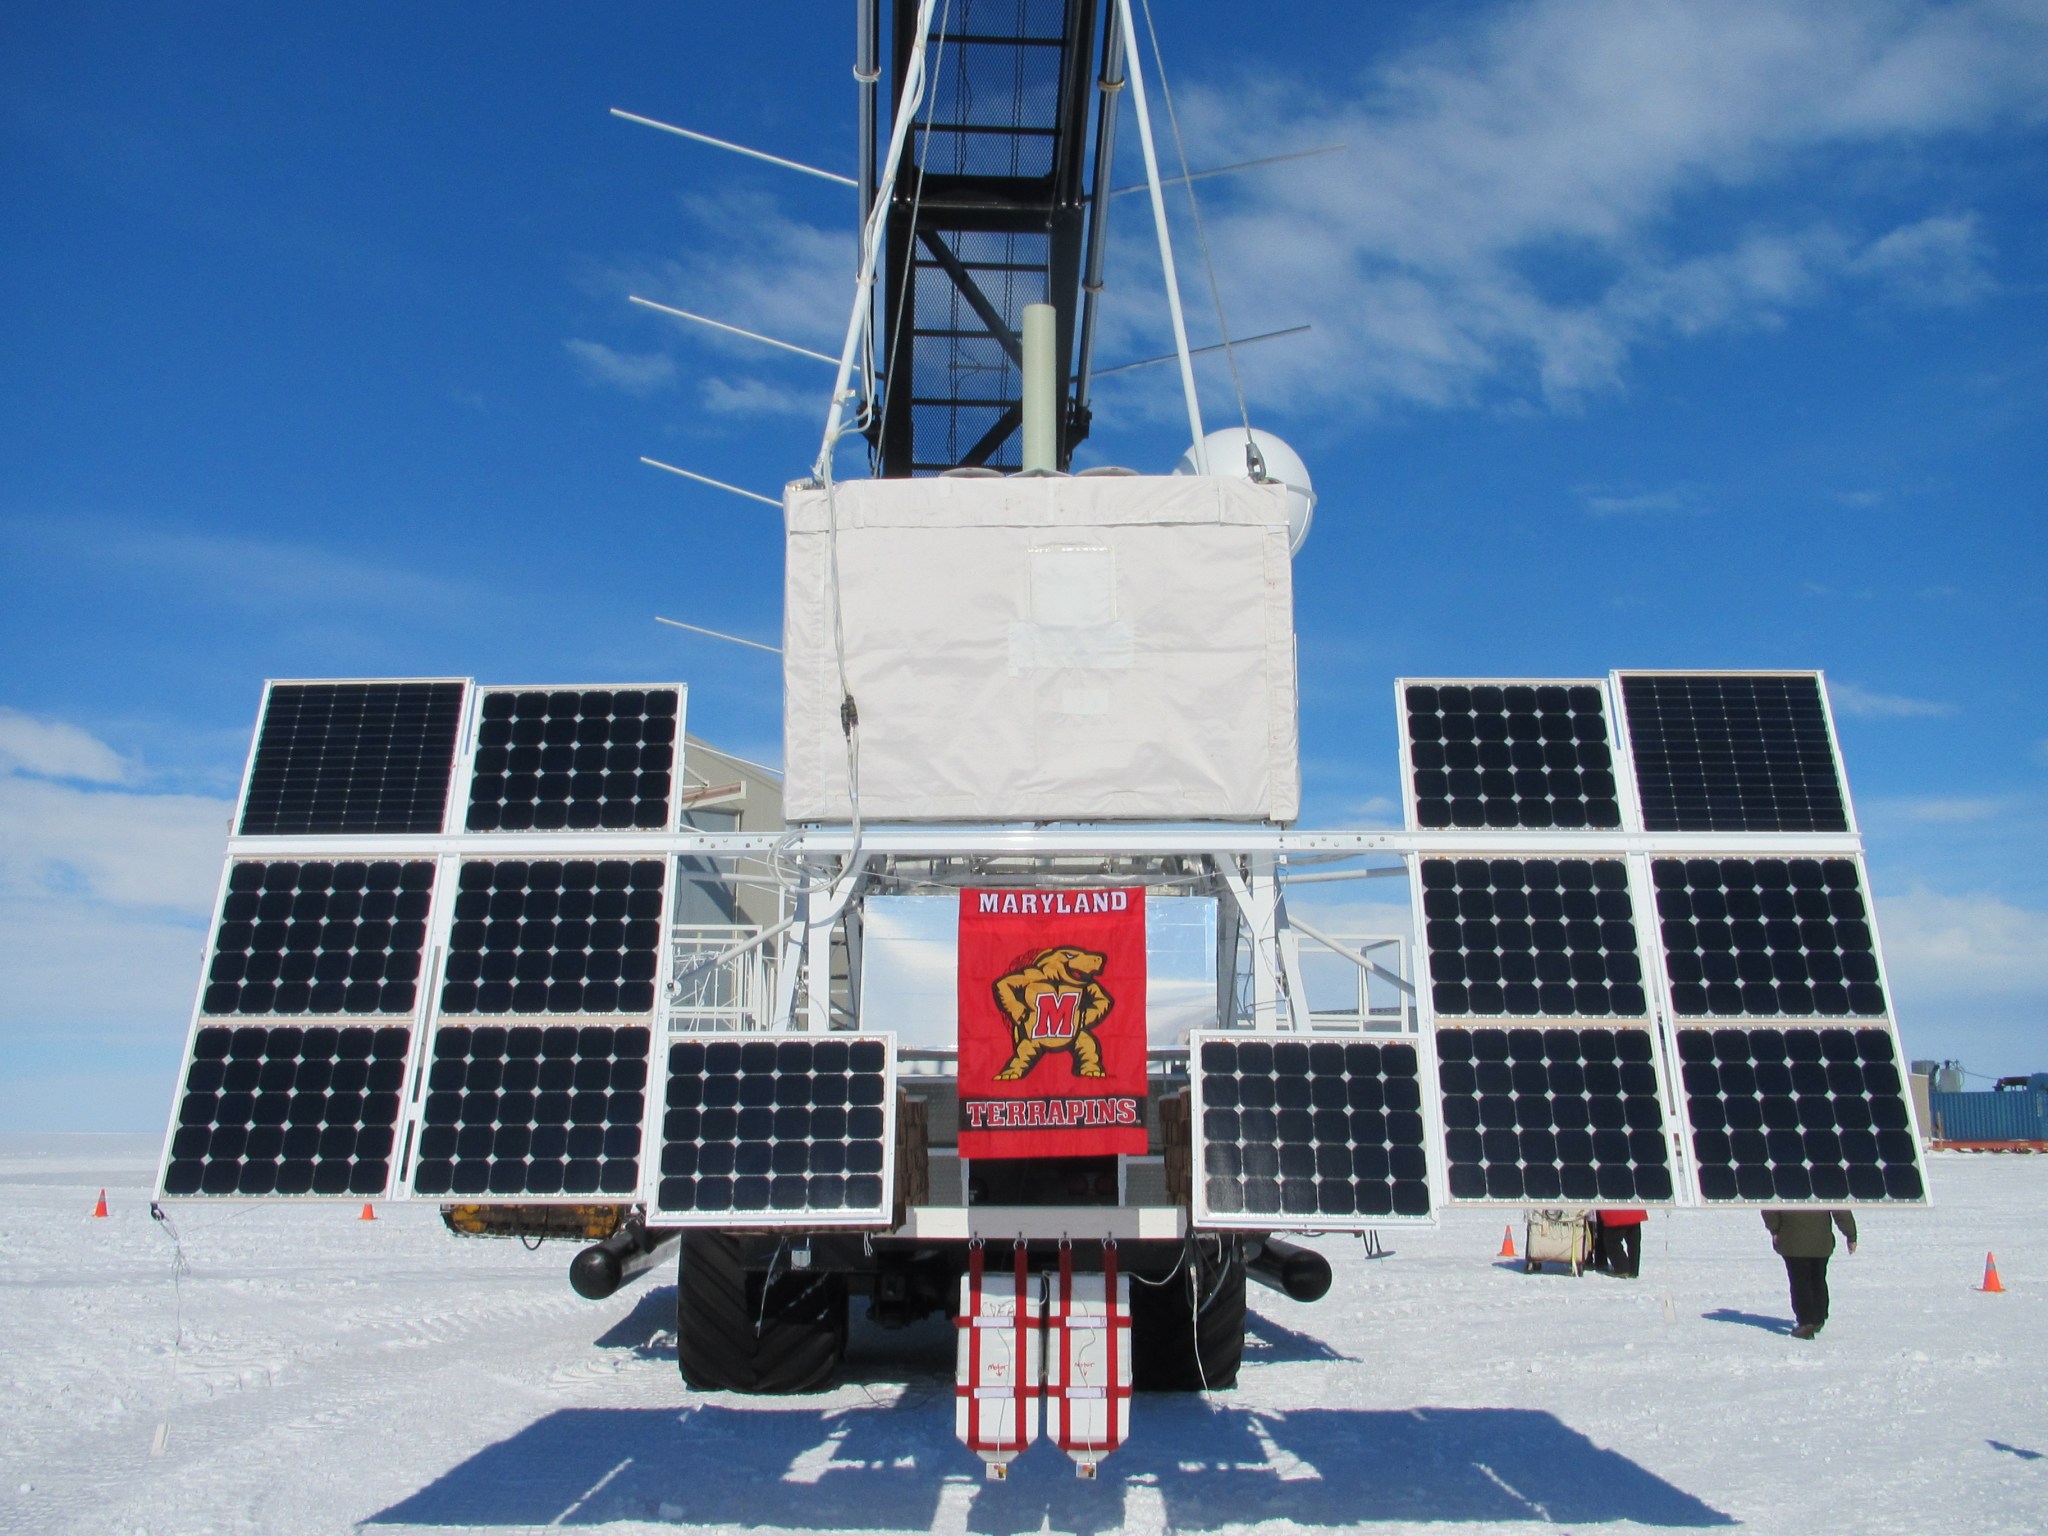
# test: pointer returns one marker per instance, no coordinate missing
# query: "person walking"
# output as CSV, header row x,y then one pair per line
x,y
1621,1241
1805,1240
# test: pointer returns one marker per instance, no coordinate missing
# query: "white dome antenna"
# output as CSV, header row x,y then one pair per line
x,y
1261,456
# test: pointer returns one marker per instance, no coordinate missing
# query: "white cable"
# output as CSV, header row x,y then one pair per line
x,y
1198,451
1201,234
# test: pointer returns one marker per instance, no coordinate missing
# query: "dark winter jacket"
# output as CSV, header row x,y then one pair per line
x,y
1808,1234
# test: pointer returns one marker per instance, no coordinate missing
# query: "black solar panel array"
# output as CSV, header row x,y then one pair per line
x,y
529,1047
776,1128
1764,937
1294,1133
1523,755
1542,1115
534,1110
353,758
555,936
1733,753
550,759
285,1110
1531,938
1786,1115
320,937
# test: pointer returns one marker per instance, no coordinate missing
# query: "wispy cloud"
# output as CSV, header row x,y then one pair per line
x,y
1507,221
1941,810
1972,945
1618,501
1869,704
637,373
52,749
102,889
755,397
1940,260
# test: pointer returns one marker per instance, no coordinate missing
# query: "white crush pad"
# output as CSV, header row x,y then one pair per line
x,y
996,1381
1088,1363
1043,648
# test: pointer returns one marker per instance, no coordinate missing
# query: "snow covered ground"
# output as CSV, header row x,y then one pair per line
x,y
337,1374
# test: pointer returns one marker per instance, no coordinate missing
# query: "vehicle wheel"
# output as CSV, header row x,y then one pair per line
x,y
1188,1335
1532,1266
727,1340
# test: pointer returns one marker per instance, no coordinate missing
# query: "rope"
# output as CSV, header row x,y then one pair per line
x,y
180,1268
1252,460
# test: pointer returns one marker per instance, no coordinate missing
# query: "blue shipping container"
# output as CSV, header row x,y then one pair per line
x,y
2009,1116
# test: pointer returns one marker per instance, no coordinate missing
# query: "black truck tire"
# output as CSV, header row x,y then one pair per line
x,y
727,1340
1188,1334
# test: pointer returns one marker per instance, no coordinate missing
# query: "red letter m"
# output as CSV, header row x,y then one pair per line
x,y
1055,1019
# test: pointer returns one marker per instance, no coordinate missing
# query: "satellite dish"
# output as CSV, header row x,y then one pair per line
x,y
1276,461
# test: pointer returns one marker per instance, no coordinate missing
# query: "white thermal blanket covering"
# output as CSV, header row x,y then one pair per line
x,y
1042,649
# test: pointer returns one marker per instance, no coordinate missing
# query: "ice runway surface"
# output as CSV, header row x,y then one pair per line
x,y
336,1374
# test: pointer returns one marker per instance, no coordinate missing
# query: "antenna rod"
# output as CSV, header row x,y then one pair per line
x,y
1198,449
718,634
1218,346
1242,165
707,480
720,325
738,149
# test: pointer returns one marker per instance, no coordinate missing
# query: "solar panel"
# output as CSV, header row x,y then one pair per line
x,y
1733,753
320,937
285,1110
352,757
1552,1114
554,936
1295,1133
792,1130
575,759
1531,938
1520,755
1766,937
533,1110
1784,1115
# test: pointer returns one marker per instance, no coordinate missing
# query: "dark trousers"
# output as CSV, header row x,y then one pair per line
x,y
1809,1279
1624,1248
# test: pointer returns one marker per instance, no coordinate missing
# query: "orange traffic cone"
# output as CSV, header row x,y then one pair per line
x,y
369,1212
1991,1281
99,1211
1507,1242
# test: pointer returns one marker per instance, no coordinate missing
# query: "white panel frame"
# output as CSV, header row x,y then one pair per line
x,y
199,1019
457,819
1607,704
1618,708
457,772
655,1020
1887,1021
882,1219
1203,1219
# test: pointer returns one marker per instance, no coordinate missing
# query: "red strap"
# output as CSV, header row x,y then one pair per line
x,y
1065,1324
1023,1340
966,1388
1113,1394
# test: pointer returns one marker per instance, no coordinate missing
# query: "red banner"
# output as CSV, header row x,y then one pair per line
x,y
1052,1023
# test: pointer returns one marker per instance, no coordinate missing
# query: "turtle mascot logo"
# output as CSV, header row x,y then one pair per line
x,y
1053,1002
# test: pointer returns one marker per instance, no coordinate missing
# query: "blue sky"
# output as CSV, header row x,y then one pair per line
x,y
1644,335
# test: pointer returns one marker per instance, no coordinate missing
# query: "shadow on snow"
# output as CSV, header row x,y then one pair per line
x,y
887,1467
1747,1319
